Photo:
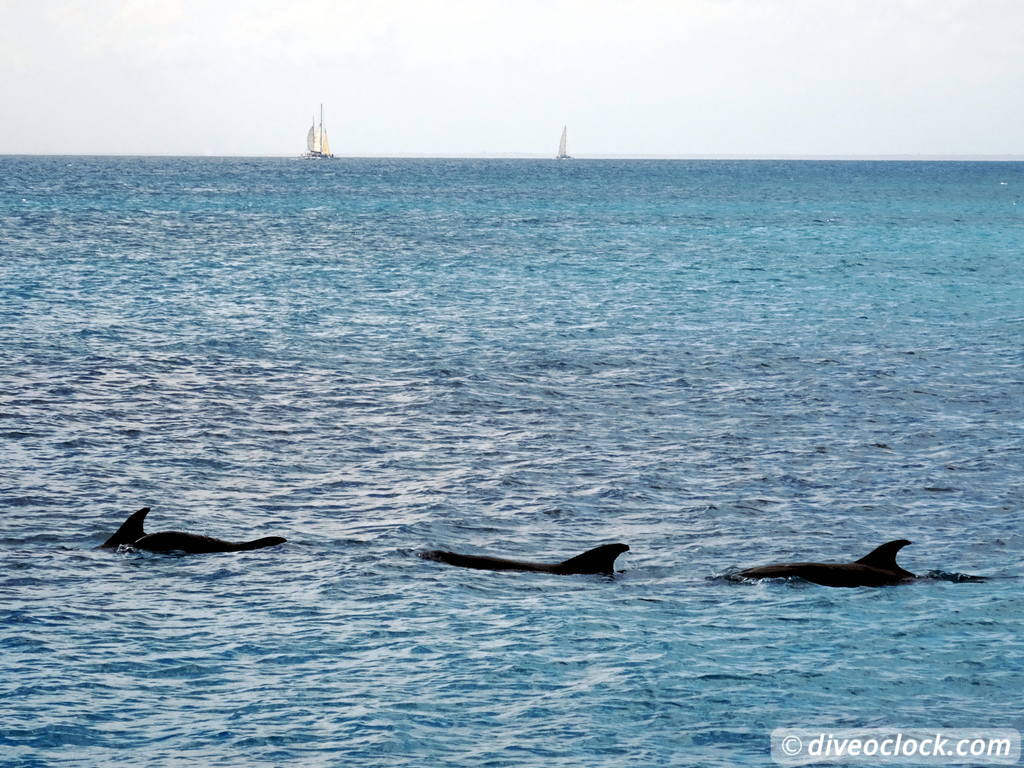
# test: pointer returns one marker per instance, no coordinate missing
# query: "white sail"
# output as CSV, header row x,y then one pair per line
x,y
562,155
316,140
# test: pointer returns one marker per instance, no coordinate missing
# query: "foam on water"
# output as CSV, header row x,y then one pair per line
x,y
721,364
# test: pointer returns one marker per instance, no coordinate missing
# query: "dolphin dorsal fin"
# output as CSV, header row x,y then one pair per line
x,y
130,530
597,560
884,557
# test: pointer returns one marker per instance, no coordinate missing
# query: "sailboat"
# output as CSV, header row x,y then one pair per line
x,y
317,145
562,155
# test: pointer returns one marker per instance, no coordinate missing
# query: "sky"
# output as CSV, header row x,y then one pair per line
x,y
488,77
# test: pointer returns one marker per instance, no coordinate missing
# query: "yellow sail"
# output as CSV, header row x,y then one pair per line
x,y
325,146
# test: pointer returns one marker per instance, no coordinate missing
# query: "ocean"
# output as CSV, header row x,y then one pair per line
x,y
722,364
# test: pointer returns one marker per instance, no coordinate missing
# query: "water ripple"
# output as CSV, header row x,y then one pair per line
x,y
722,364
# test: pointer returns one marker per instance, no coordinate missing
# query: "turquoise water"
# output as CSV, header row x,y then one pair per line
x,y
722,364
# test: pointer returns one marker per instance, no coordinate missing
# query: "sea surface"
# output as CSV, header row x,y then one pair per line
x,y
722,364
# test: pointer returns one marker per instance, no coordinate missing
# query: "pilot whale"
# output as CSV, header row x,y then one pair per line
x,y
878,568
131,533
598,560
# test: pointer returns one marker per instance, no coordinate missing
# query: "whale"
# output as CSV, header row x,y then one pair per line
x,y
131,534
878,568
597,560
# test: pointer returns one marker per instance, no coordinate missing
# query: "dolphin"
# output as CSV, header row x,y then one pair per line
x,y
598,560
132,534
878,568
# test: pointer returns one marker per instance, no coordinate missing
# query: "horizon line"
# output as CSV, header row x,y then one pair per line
x,y
878,157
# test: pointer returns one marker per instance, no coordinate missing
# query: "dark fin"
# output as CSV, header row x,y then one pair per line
x,y
129,532
598,560
267,541
884,557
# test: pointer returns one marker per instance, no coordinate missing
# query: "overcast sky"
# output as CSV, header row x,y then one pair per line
x,y
690,77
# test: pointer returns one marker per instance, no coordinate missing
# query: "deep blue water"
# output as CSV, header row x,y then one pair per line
x,y
722,364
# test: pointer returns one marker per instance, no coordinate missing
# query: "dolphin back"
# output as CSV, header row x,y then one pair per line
x,y
481,562
878,568
266,541
598,560
194,544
